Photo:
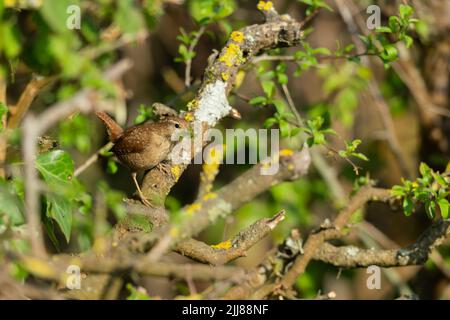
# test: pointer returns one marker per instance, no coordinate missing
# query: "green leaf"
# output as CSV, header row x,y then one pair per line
x,y
111,167
282,78
360,156
444,207
206,11
269,122
10,39
405,11
408,41
280,106
60,209
50,229
323,51
390,53
424,169
383,30
284,128
10,204
268,88
55,14
394,23
408,206
3,112
260,100
430,208
56,167
398,191
349,48
128,17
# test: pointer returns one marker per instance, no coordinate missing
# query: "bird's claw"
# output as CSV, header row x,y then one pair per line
x,y
164,167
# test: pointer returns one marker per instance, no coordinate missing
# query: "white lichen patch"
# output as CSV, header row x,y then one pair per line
x,y
352,251
213,104
221,210
181,152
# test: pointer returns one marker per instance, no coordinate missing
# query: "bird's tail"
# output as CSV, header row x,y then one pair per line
x,y
114,130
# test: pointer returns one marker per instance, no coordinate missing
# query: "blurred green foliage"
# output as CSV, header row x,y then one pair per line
x,y
39,41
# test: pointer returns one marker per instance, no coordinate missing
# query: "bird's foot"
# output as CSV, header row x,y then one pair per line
x,y
145,200
164,167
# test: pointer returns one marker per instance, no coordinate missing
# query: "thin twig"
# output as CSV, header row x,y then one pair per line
x,y
187,74
92,159
3,140
95,52
33,88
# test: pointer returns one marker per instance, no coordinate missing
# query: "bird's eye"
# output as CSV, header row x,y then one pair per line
x,y
177,125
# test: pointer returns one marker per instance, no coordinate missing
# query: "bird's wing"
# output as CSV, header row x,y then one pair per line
x,y
135,140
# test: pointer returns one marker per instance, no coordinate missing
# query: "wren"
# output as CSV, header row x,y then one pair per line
x,y
142,147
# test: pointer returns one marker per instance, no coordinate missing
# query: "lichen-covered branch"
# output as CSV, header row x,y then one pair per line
x,y
210,104
257,287
415,254
196,217
229,250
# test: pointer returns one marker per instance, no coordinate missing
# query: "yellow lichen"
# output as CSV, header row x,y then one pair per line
x,y
176,172
225,76
209,195
210,169
239,79
174,232
192,208
232,54
265,5
237,36
286,152
211,165
189,116
39,267
223,245
215,154
192,105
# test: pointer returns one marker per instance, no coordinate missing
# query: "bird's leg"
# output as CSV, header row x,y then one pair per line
x,y
141,195
164,167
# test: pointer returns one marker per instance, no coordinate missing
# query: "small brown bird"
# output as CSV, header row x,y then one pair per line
x,y
143,146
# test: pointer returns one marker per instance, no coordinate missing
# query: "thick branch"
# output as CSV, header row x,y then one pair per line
x,y
30,92
210,104
302,256
230,249
198,216
415,254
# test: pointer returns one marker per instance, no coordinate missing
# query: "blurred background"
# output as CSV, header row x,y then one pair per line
x,y
357,97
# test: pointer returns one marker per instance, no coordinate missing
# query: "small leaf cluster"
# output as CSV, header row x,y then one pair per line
x,y
145,113
382,42
187,39
317,131
350,150
209,11
314,5
307,58
282,117
431,189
